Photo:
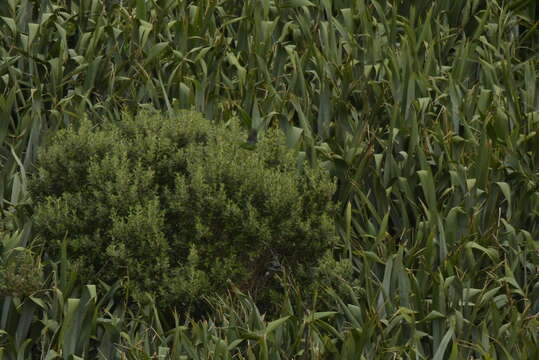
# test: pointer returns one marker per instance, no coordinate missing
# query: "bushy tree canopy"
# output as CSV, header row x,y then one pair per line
x,y
175,206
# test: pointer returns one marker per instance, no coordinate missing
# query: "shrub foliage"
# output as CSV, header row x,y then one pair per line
x,y
175,206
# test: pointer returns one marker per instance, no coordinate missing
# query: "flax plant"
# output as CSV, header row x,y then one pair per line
x,y
425,112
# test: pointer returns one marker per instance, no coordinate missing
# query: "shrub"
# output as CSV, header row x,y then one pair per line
x,y
20,269
175,206
20,273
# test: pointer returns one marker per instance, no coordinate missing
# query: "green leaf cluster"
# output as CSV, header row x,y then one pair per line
x,y
426,112
20,274
175,206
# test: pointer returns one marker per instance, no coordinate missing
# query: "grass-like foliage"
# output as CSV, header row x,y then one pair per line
x,y
176,206
425,112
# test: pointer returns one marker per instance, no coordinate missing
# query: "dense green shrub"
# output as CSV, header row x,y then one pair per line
x,y
175,206
20,274
20,269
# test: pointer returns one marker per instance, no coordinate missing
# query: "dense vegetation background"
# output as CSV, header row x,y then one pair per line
x,y
426,113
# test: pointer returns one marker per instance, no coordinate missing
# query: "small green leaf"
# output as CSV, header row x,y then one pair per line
x,y
296,3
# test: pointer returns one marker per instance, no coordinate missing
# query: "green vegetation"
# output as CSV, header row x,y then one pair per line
x,y
425,113
175,206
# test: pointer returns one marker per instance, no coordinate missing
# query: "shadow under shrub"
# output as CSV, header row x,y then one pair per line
x,y
176,207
